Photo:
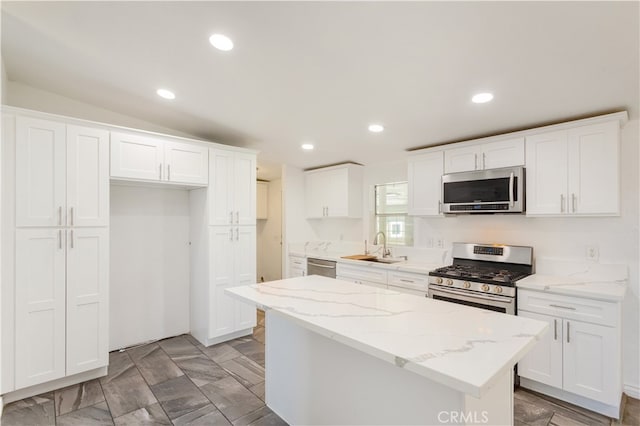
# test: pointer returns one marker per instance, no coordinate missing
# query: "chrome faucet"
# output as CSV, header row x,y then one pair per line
x,y
385,251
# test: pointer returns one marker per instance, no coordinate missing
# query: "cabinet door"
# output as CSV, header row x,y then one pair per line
x,y
336,189
594,170
590,361
221,267
40,306
244,189
314,194
462,159
547,173
186,163
87,176
425,184
245,272
544,362
220,187
40,172
87,299
136,157
505,153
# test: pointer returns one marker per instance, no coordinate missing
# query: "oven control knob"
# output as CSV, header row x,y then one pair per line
x,y
498,289
449,282
438,280
467,284
485,287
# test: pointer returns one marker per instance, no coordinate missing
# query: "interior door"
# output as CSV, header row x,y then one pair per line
x,y
40,306
87,176
87,299
40,172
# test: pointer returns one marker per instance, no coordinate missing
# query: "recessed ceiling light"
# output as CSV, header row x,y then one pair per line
x,y
481,98
221,42
167,94
307,146
376,128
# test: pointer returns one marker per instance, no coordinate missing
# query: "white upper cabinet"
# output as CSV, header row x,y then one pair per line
x,y
575,171
232,186
87,176
334,192
40,172
144,158
186,163
425,184
482,156
62,174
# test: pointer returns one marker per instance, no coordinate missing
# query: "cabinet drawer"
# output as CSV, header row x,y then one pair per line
x,y
587,310
362,273
409,280
298,262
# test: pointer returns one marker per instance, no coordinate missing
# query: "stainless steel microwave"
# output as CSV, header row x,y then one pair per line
x,y
484,191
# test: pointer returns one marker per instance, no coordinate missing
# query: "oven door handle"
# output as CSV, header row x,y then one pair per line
x,y
470,297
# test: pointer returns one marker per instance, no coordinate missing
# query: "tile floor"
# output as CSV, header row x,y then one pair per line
x,y
178,381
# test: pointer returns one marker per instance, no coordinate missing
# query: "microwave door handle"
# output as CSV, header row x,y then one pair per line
x,y
511,178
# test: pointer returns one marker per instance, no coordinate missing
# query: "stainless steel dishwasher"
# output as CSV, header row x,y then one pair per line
x,y
325,268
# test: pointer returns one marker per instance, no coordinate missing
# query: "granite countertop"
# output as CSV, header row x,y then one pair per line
x,y
461,347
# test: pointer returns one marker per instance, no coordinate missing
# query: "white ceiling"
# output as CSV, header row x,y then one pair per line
x,y
321,72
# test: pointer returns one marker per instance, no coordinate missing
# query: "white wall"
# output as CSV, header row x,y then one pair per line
x,y
149,266
23,96
269,235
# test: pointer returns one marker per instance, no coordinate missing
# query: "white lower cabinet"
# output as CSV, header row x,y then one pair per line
x,y
232,263
61,303
297,266
580,355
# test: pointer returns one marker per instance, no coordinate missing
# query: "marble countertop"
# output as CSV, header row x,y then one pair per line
x,y
461,347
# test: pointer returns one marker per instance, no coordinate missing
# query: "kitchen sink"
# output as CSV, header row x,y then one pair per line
x,y
384,260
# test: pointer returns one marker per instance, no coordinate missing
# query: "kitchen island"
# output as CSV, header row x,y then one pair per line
x,y
343,353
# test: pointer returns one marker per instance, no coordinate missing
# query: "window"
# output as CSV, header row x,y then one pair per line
x,y
391,213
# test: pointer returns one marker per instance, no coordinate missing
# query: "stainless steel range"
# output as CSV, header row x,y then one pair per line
x,y
482,275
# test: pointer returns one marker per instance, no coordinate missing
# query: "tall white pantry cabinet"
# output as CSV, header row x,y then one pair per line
x,y
55,251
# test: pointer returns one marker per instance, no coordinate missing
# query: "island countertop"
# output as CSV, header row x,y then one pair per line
x,y
461,347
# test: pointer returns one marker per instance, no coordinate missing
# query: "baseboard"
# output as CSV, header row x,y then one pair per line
x,y
227,337
632,391
53,385
612,411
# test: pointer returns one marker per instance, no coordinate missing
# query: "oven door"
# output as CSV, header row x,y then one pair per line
x,y
492,302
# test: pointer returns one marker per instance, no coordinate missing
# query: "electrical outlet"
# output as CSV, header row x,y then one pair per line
x,y
440,243
592,253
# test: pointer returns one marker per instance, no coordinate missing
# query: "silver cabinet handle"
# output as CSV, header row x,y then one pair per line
x,y
327,211
237,217
555,329
230,217
71,216
571,308
475,161
231,234
573,202
160,167
407,281
561,203
439,206
484,161
71,238
237,234
303,273
60,239
568,332
168,171
60,216
511,179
